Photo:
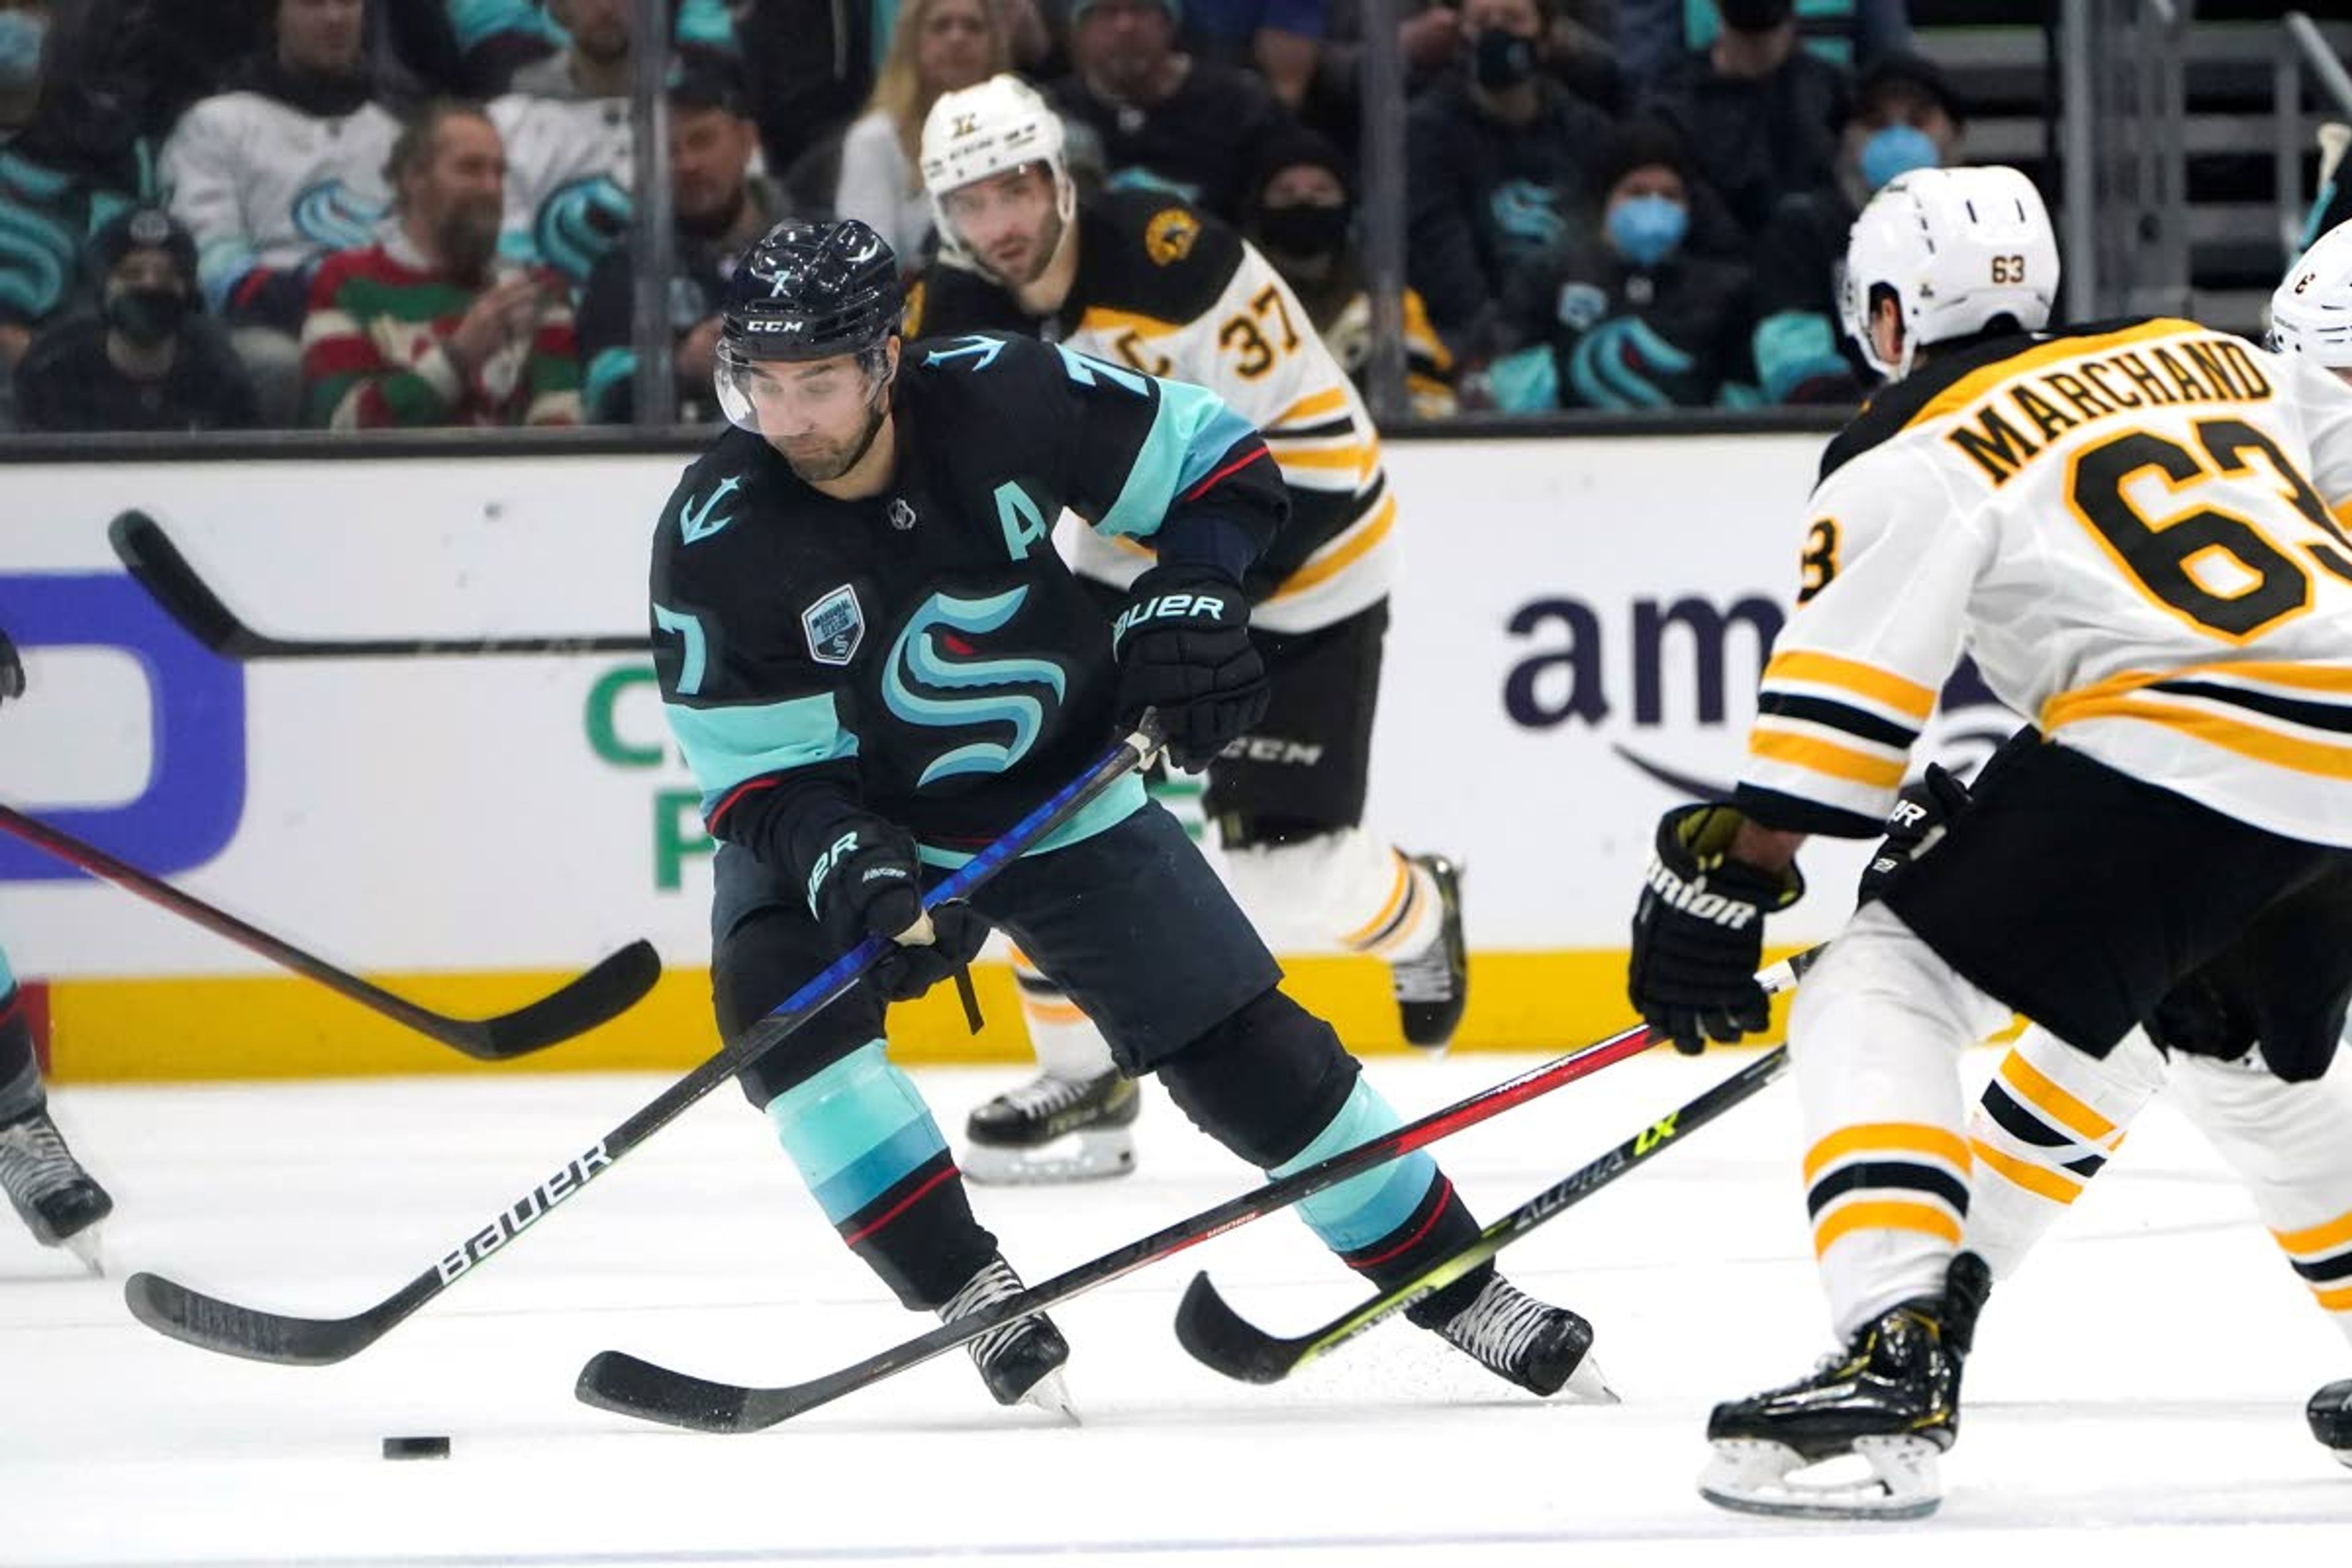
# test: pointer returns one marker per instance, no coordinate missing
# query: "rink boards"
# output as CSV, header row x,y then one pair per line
x,y
1578,628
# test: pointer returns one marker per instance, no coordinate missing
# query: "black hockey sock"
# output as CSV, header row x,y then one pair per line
x,y
20,1069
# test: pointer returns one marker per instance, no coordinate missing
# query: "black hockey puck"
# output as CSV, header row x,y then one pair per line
x,y
417,1448
2330,1414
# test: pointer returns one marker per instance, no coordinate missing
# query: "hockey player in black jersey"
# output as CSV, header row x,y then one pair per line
x,y
875,663
1142,280
47,1186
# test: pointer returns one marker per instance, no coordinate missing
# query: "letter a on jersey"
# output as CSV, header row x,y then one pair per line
x,y
834,625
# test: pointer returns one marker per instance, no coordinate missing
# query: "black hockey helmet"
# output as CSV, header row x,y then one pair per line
x,y
805,291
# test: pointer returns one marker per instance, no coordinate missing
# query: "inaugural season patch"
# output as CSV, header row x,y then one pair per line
x,y
834,625
1168,237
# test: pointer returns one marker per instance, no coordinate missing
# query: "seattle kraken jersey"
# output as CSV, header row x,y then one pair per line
x,y
2137,530
1165,288
568,175
926,650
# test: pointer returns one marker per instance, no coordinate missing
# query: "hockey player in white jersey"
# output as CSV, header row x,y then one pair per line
x,y
1141,278
2130,528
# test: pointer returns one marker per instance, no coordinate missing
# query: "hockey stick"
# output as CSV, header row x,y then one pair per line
x,y
1222,1340
603,993
615,1380
2334,137
165,573
180,1313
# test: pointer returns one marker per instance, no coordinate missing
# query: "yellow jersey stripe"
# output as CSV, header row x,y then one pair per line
x,y
2324,678
2054,1102
1356,458
1842,1221
2246,740
1966,391
2319,1238
2336,1300
1887,1137
1102,318
1340,553
1315,404
1825,757
1853,675
2033,1178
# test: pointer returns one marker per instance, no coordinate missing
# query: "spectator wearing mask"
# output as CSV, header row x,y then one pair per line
x,y
1638,320
1905,118
427,328
722,207
1301,215
69,160
1759,113
276,175
1164,119
148,360
1500,174
940,46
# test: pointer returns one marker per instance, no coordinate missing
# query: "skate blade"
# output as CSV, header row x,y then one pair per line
x,y
1051,1394
1588,1384
1096,1154
1751,1475
84,1244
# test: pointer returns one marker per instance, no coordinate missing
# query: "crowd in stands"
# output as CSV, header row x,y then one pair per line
x,y
354,214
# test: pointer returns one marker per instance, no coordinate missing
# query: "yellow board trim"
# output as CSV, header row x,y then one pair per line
x,y
1887,1138
1862,679
1844,1222
272,1026
1977,384
1825,757
2033,1178
2045,1095
2319,1238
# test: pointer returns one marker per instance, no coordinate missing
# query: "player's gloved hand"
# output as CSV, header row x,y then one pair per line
x,y
12,670
1183,647
1698,932
868,881
1923,812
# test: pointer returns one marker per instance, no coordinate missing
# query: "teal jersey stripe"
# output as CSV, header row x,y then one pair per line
x,y
1192,432
1362,1209
854,1129
1108,809
8,975
725,746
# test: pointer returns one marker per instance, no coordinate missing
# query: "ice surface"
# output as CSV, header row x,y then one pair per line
x,y
2145,1375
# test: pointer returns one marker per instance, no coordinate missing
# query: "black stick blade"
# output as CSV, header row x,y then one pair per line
x,y
620,1383
1223,1341
209,1323
603,993
156,562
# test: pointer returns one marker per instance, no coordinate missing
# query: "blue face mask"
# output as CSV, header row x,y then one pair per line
x,y
21,33
1898,150
1645,230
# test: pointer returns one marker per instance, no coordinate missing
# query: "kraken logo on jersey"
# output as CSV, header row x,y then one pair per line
x,y
920,666
1529,215
328,214
578,223
835,625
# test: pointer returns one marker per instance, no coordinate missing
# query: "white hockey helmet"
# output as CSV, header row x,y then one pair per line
x,y
2311,314
980,131
1957,249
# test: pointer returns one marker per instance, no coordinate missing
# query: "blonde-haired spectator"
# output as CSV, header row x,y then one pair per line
x,y
940,46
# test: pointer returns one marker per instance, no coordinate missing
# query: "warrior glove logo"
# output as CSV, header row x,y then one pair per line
x,y
1693,899
835,626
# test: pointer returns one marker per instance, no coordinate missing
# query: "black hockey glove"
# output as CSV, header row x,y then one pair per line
x,y
868,881
1923,812
12,670
1183,647
1698,932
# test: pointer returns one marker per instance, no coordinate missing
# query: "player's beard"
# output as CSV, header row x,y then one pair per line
x,y
823,465
467,235
1049,243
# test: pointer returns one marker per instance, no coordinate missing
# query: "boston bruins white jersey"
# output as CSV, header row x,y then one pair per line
x,y
2139,531
1165,288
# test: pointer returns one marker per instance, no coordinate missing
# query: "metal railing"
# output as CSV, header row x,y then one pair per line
x,y
2303,52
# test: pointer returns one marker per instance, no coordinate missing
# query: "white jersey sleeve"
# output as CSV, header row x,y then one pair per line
x,y
2323,406
1889,561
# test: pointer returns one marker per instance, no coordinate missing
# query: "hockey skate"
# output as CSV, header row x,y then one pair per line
x,y
1433,988
1891,1399
2330,1414
1521,1340
52,1194
1021,1361
1053,1130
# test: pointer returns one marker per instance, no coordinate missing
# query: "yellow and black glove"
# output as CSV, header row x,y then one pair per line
x,y
1698,932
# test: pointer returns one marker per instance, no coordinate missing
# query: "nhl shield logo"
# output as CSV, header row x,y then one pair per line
x,y
834,625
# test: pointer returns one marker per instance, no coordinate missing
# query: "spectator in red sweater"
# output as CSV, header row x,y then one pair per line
x,y
426,328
